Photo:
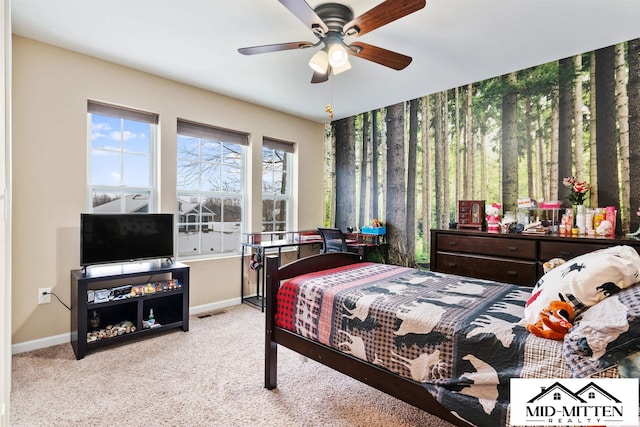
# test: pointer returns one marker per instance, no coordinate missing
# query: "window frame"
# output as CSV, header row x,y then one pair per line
x,y
123,190
288,148
204,132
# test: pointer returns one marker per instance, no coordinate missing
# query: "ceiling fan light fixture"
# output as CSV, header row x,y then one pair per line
x,y
319,62
338,55
337,70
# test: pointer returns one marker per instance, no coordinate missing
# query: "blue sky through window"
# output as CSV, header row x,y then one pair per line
x,y
120,154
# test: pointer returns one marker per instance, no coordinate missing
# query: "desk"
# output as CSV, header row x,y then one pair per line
x,y
259,243
364,243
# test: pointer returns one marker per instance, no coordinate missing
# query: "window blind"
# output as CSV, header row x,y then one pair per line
x,y
287,147
96,107
197,130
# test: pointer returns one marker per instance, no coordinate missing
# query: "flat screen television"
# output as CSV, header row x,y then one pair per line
x,y
117,237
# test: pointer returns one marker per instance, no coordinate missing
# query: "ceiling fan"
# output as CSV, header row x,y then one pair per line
x,y
331,23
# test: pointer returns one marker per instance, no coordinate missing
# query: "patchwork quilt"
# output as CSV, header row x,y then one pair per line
x,y
461,338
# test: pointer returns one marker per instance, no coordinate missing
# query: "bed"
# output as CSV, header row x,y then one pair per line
x,y
368,321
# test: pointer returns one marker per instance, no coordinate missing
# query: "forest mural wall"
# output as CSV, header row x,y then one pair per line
x,y
498,140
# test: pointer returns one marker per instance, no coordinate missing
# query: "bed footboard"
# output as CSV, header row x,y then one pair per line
x,y
275,274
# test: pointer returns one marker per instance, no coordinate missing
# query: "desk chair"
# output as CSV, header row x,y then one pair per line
x,y
333,240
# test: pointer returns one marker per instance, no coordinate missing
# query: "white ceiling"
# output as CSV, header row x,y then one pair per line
x,y
452,42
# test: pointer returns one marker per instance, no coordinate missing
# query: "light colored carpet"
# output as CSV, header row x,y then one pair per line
x,y
209,376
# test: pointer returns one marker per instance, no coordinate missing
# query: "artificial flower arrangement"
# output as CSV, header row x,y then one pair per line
x,y
378,228
579,190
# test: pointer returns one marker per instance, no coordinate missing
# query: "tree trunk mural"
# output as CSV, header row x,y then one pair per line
x,y
345,131
510,142
461,153
578,106
633,92
553,155
396,218
606,137
622,118
471,181
375,143
566,74
593,148
366,136
529,147
441,176
426,174
411,182
541,160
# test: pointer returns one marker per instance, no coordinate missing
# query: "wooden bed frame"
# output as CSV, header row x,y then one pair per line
x,y
381,379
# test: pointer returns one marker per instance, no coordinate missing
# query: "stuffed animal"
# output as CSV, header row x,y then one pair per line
x,y
555,321
551,264
493,217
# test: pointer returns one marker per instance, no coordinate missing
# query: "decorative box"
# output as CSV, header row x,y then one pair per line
x,y
471,214
550,205
378,231
526,202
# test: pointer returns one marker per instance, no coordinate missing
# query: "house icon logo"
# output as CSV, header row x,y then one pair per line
x,y
587,394
574,401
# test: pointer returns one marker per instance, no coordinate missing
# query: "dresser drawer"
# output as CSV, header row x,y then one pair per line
x,y
495,246
567,250
517,272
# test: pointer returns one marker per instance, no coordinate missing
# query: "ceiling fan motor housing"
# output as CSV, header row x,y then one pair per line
x,y
334,15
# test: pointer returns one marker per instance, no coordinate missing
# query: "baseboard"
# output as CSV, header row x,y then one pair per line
x,y
23,347
66,338
214,306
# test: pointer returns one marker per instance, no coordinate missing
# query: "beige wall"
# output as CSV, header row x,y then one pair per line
x,y
5,219
50,91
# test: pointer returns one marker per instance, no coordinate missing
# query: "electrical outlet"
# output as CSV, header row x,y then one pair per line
x,y
44,295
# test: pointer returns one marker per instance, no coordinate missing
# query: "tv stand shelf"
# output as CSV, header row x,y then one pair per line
x,y
169,301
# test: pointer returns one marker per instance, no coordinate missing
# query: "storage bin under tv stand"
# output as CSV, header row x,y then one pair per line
x,y
171,307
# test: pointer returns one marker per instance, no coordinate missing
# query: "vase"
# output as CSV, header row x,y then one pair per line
x,y
580,219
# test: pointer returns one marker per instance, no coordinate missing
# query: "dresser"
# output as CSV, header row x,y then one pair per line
x,y
510,258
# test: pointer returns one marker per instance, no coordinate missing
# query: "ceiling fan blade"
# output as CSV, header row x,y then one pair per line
x,y
306,14
273,47
384,13
385,57
319,77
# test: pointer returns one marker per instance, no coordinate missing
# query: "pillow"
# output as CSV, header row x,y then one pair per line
x,y
605,335
585,280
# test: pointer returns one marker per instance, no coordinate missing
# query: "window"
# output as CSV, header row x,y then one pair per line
x,y
276,184
556,396
121,167
210,188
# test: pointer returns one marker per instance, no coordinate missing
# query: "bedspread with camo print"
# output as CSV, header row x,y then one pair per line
x,y
462,338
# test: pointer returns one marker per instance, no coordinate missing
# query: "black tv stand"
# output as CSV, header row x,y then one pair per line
x,y
163,286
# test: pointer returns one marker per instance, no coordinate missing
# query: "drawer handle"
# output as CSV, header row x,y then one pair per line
x,y
565,253
512,273
452,264
452,243
513,248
